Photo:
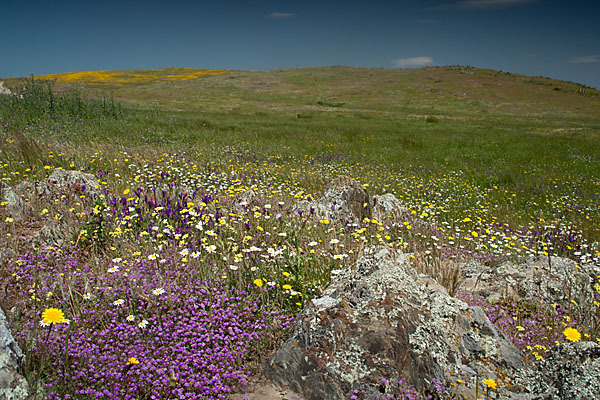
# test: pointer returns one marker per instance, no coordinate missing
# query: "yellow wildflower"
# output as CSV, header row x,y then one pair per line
x,y
52,316
572,334
490,383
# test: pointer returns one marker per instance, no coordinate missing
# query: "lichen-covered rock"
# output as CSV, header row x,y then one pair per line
x,y
569,371
14,202
7,341
380,322
13,386
77,181
59,181
343,199
558,280
53,233
387,206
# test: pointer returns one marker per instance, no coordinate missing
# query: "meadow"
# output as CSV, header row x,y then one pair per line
x,y
186,271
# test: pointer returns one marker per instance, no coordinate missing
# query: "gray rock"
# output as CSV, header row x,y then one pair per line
x,y
60,180
5,252
13,386
380,322
3,90
7,341
557,281
569,371
15,205
247,199
52,233
343,199
387,206
77,181
325,301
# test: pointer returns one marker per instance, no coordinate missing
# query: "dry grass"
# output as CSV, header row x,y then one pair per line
x,y
445,271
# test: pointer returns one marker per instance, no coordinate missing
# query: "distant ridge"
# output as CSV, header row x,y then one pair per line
x,y
453,91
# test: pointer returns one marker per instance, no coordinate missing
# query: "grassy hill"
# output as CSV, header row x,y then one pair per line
x,y
497,128
448,92
491,165
418,115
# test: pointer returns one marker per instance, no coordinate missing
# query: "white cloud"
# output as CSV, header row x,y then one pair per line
x,y
481,4
281,15
412,62
586,60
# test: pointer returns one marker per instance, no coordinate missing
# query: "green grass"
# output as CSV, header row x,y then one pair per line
x,y
491,166
512,131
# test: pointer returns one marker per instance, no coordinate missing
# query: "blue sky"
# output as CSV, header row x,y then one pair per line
x,y
559,39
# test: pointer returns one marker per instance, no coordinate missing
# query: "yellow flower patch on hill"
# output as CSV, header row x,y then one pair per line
x,y
123,77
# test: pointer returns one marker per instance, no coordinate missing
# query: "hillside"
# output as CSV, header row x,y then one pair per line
x,y
449,92
167,230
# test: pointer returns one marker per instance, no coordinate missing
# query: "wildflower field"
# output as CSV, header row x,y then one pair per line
x,y
186,268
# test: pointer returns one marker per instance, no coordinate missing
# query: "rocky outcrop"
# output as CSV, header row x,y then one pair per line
x,y
3,90
53,233
379,323
344,199
569,371
13,386
61,179
14,202
554,280
18,200
387,206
